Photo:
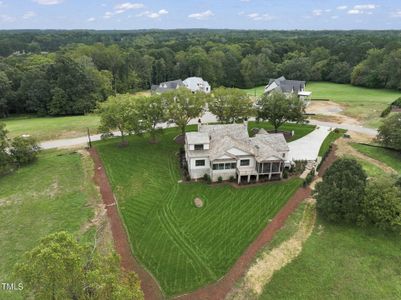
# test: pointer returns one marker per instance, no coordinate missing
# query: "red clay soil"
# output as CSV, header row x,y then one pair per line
x,y
328,161
149,286
220,289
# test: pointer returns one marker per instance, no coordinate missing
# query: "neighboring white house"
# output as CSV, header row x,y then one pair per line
x,y
197,84
288,87
227,151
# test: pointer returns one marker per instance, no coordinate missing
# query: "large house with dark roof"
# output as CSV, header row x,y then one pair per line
x,y
288,87
227,151
167,86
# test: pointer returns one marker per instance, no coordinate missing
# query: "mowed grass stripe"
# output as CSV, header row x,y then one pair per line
x,y
183,246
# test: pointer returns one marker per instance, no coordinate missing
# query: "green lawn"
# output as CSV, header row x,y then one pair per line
x,y
256,91
53,194
341,262
361,103
52,128
387,156
300,130
184,247
331,138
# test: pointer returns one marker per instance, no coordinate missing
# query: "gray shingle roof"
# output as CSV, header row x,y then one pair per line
x,y
288,86
167,86
226,137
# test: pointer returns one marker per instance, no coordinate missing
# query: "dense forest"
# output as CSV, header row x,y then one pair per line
x,y
68,72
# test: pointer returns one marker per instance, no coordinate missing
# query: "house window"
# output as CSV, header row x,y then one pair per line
x,y
230,166
200,163
199,147
283,155
245,162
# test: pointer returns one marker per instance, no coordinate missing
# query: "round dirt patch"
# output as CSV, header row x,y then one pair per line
x,y
198,202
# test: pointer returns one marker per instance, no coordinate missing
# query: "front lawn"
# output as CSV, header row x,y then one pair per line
x,y
341,262
53,194
184,247
389,157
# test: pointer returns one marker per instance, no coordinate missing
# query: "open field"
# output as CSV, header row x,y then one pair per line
x,y
387,156
52,128
341,262
53,194
360,103
184,247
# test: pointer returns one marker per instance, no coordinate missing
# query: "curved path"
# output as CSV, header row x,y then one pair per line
x,y
149,285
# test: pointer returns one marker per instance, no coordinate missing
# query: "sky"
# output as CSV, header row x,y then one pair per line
x,y
231,14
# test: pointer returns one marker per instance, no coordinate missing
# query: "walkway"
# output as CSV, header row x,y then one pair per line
x,y
307,148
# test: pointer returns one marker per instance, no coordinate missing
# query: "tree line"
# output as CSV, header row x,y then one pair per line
x,y
129,114
68,72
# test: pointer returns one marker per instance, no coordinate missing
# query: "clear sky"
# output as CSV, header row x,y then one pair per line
x,y
167,14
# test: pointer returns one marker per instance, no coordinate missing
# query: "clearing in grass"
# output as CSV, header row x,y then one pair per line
x,y
183,246
360,103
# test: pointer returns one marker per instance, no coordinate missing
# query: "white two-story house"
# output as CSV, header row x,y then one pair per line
x,y
227,151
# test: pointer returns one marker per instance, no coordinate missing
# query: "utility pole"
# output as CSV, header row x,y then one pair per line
x,y
89,138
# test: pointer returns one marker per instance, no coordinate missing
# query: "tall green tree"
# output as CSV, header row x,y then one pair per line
x,y
381,205
152,112
390,132
5,159
60,268
278,109
120,112
5,89
183,106
340,195
230,105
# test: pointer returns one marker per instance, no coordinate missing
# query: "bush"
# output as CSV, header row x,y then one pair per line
x,y
232,178
381,205
24,150
220,179
207,178
285,174
340,194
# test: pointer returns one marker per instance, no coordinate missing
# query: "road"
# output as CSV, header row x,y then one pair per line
x,y
206,118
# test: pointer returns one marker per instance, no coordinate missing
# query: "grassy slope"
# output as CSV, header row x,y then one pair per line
x,y
389,157
48,196
340,262
331,138
52,128
183,246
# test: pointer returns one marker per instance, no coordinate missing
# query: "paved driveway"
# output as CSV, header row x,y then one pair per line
x,y
307,148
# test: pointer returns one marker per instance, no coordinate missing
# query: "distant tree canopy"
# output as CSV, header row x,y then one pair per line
x,y
67,72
